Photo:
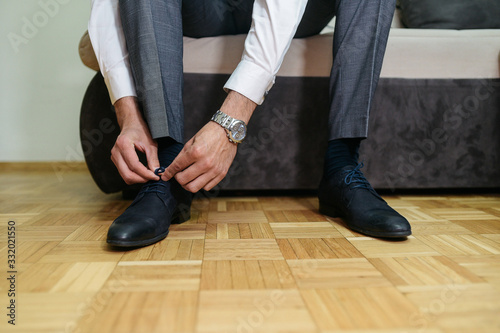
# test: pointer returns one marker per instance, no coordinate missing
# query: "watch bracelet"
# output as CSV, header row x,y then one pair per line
x,y
225,121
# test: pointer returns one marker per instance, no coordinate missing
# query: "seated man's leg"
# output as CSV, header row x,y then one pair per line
x,y
153,31
361,32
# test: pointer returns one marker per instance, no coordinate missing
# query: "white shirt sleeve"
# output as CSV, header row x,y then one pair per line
x,y
108,41
274,23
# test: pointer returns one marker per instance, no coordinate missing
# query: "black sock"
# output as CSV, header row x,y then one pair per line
x,y
340,153
168,149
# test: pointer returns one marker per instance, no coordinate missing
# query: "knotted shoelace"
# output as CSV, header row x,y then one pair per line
x,y
357,177
156,187
159,171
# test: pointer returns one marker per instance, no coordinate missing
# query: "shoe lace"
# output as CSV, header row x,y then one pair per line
x,y
356,176
155,186
159,171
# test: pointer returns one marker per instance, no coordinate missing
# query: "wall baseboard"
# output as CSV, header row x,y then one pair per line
x,y
49,166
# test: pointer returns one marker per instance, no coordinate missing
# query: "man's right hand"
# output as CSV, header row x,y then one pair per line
x,y
134,136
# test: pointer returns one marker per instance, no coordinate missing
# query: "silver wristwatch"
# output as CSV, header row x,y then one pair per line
x,y
236,129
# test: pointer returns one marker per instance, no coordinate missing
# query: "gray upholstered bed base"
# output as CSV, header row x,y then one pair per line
x,y
423,133
434,133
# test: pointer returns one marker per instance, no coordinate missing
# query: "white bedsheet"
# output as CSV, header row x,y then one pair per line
x,y
411,53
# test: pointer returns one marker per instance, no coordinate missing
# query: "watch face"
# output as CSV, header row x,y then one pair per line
x,y
238,131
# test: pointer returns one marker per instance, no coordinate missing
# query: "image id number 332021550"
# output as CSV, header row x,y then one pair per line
x,y
11,272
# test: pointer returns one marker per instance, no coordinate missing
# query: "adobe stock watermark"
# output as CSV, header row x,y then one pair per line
x,y
266,308
87,311
449,294
31,25
280,121
90,140
452,121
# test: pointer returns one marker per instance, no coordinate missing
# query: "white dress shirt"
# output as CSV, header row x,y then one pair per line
x,y
274,23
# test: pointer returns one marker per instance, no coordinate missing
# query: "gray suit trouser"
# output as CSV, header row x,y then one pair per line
x,y
154,30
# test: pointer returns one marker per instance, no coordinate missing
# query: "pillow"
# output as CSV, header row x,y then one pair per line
x,y
450,14
86,52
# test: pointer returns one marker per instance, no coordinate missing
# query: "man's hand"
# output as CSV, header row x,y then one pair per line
x,y
206,158
134,136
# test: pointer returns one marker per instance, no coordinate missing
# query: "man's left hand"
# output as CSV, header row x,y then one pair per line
x,y
204,160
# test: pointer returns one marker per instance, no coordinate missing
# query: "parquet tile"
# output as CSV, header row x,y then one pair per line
x,y
416,214
457,245
487,267
89,232
305,230
187,231
118,312
344,231
239,231
170,249
336,273
477,201
363,308
303,216
244,264
84,251
46,312
60,219
247,274
294,216
460,214
390,330
286,204
155,276
245,216
439,228
45,233
423,271
242,249
274,310
239,205
33,251
493,237
66,277
484,227
317,248
373,248
457,306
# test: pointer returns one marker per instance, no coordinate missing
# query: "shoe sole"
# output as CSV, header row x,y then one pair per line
x,y
332,212
141,243
177,218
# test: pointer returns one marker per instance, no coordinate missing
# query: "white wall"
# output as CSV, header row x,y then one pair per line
x,y
42,80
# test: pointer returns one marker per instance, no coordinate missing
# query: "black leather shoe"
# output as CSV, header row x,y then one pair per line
x,y
148,218
349,195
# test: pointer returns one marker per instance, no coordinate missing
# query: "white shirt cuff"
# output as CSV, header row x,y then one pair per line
x,y
119,83
250,80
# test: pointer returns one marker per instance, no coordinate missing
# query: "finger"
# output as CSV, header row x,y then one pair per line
x,y
180,163
151,152
134,165
211,184
152,158
128,176
194,171
198,183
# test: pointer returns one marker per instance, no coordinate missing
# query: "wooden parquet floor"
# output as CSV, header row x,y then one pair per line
x,y
245,264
